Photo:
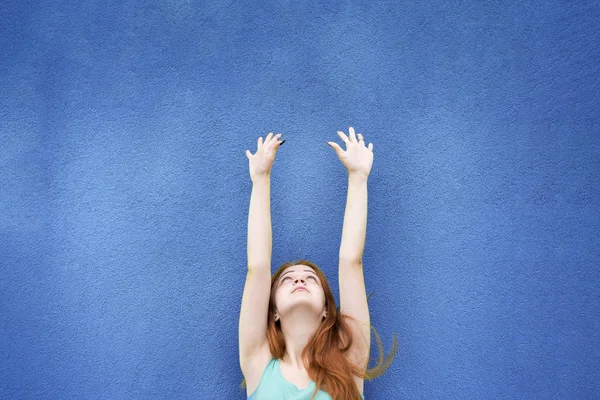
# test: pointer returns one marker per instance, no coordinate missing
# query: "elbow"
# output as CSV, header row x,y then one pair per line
x,y
350,262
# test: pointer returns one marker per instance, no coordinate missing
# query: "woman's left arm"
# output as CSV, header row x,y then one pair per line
x,y
353,294
358,160
354,229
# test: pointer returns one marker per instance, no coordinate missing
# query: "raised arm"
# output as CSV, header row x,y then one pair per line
x,y
358,159
354,229
255,299
353,294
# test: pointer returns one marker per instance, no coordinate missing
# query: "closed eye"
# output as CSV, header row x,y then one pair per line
x,y
287,277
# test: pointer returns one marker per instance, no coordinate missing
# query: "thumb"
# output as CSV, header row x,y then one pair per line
x,y
335,146
248,154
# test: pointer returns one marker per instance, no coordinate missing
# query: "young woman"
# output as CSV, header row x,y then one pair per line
x,y
293,342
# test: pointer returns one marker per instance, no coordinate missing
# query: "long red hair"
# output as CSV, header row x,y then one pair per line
x,y
326,353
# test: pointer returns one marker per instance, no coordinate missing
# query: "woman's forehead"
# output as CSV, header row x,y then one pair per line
x,y
297,268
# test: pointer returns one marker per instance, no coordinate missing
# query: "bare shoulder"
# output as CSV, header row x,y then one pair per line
x,y
360,384
361,360
253,368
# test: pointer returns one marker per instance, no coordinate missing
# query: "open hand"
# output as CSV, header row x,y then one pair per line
x,y
358,159
260,163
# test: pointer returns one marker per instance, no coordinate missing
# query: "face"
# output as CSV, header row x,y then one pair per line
x,y
299,286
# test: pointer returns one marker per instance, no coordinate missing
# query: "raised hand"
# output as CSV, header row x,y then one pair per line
x,y
357,158
260,163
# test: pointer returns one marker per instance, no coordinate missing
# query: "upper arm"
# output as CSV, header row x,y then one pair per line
x,y
353,302
253,314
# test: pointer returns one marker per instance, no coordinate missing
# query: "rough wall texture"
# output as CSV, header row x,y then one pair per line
x,y
124,189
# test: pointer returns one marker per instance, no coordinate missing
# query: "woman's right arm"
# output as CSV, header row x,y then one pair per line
x,y
259,224
255,299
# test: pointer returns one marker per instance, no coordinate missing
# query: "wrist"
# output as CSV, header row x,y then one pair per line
x,y
261,178
357,177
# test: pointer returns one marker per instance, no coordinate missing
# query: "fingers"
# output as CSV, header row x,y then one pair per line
x,y
275,139
361,140
336,147
260,140
352,135
269,138
272,137
343,136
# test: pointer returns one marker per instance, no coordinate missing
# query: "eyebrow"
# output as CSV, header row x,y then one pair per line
x,y
306,270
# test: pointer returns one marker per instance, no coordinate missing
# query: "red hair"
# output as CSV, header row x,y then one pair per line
x,y
326,353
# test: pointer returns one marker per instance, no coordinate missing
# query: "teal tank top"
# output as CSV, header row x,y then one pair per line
x,y
273,386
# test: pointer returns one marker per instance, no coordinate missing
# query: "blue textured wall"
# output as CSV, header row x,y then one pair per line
x,y
125,189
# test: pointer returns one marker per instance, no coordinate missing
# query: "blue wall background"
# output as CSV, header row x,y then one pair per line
x,y
125,189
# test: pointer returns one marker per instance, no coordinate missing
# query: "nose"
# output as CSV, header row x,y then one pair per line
x,y
301,279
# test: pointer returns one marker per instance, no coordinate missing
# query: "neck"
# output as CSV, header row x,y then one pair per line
x,y
298,328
